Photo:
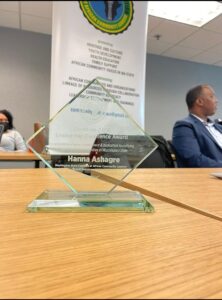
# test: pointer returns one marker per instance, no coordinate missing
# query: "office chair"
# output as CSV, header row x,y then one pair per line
x,y
173,152
38,143
163,157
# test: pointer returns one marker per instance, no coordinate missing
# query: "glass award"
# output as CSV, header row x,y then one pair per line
x,y
94,136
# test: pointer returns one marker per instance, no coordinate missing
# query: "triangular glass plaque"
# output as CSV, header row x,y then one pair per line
x,y
92,134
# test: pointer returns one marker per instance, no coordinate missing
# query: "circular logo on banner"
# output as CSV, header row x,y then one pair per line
x,y
112,17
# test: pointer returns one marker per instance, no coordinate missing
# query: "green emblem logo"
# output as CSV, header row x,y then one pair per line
x,y
112,17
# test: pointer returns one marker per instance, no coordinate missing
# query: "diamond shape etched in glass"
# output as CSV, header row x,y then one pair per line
x,y
94,135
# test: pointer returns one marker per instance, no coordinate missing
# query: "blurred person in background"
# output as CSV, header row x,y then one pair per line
x,y
10,139
197,140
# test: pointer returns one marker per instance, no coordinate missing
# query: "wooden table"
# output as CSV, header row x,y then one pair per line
x,y
170,254
194,187
20,156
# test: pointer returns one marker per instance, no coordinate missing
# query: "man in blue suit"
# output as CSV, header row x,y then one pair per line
x,y
196,139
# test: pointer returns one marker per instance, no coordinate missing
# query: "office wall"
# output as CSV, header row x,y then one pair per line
x,y
167,81
25,59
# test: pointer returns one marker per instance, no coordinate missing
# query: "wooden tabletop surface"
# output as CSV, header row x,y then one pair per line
x,y
18,156
170,254
194,187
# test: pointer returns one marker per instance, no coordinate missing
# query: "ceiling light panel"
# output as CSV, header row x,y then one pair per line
x,y
195,13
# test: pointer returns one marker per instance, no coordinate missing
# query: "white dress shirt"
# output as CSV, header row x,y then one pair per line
x,y
216,134
12,141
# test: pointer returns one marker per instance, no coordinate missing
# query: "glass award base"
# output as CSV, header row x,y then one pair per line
x,y
67,201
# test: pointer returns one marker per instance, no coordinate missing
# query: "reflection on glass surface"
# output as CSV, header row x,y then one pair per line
x,y
92,132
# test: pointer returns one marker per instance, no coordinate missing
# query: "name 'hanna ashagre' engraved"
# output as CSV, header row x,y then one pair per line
x,y
101,159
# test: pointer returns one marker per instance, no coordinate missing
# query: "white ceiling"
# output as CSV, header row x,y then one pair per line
x,y
27,15
176,40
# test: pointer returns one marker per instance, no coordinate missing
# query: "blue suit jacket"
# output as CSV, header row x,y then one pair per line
x,y
194,145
